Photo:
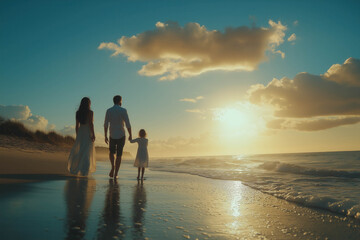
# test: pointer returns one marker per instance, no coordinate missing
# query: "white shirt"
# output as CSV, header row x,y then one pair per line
x,y
117,116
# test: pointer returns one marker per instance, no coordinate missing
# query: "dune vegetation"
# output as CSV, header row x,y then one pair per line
x,y
17,129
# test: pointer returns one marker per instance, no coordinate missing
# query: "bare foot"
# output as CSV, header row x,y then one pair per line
x,y
111,174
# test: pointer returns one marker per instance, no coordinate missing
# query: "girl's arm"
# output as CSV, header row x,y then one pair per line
x,y
134,140
91,123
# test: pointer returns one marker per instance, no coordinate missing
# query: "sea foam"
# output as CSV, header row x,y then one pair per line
x,y
329,181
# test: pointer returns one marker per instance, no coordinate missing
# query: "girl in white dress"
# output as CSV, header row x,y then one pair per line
x,y
82,156
142,156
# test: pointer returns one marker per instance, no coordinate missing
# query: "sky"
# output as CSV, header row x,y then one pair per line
x,y
202,77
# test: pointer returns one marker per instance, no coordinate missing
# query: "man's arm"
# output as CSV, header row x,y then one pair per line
x,y
106,137
128,126
130,136
106,125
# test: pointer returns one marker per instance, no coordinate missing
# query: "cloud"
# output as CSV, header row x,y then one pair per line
x,y
68,130
347,73
312,124
188,100
172,51
194,110
19,112
292,37
23,114
193,100
296,22
322,101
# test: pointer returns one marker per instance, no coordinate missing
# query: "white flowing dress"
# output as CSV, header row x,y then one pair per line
x,y
82,156
142,156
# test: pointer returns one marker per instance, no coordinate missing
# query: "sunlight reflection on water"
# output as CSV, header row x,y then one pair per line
x,y
235,205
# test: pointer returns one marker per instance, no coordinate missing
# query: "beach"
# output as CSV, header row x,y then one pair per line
x,y
245,114
53,205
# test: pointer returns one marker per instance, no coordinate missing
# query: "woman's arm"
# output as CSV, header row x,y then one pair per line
x,y
77,124
91,123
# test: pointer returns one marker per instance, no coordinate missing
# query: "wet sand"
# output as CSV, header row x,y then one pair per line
x,y
165,206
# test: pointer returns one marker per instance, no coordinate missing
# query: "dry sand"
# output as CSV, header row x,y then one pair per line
x,y
13,161
17,163
19,157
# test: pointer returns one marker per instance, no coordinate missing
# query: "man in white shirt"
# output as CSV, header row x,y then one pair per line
x,y
116,116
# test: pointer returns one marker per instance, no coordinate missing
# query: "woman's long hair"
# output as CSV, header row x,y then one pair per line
x,y
83,112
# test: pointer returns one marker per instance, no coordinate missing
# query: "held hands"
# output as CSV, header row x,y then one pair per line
x,y
106,140
130,138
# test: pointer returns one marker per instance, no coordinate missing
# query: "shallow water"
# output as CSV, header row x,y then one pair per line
x,y
329,180
100,208
73,208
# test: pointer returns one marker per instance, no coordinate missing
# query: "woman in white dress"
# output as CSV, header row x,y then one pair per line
x,y
82,156
142,156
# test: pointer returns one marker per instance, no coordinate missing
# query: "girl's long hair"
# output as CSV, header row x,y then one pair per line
x,y
82,114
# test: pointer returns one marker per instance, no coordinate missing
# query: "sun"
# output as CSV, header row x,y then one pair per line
x,y
242,120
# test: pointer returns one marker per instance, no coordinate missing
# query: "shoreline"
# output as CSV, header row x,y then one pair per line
x,y
32,165
172,206
19,178
340,215
178,205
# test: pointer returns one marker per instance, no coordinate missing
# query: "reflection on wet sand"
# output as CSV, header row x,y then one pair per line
x,y
139,204
79,193
110,224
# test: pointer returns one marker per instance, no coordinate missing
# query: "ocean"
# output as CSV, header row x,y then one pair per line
x,y
326,180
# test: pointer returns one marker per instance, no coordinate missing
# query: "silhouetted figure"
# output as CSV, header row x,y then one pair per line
x,y
82,156
78,196
116,116
142,155
111,223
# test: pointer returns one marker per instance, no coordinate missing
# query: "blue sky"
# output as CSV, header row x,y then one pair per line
x,y
50,59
